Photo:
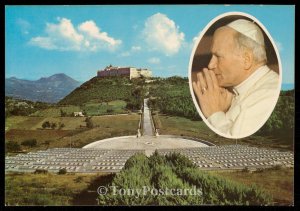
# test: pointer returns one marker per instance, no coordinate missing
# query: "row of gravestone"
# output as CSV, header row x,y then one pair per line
x,y
93,160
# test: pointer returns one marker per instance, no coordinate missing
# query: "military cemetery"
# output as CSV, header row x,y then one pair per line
x,y
110,155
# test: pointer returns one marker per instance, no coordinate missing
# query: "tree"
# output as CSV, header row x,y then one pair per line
x,y
63,113
47,143
62,171
12,146
53,125
40,171
29,143
89,122
46,124
61,125
281,122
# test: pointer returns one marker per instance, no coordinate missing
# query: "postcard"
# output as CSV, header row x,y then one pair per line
x,y
149,105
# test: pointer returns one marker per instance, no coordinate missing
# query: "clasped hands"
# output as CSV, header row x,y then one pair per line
x,y
212,98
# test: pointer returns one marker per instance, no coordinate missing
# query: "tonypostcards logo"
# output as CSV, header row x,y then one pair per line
x,y
145,190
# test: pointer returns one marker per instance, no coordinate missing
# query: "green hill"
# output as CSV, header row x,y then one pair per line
x,y
20,107
175,99
100,90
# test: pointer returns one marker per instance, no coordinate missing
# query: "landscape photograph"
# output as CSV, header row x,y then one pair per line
x,y
99,110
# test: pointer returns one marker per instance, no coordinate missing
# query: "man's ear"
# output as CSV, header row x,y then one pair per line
x,y
248,59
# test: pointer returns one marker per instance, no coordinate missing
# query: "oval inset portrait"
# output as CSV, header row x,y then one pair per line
x,y
235,75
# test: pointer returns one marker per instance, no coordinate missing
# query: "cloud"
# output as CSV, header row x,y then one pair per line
x,y
162,34
154,60
125,54
91,29
133,49
65,37
24,25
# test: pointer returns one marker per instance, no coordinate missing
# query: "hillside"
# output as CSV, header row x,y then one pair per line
x,y
175,99
49,89
101,90
20,107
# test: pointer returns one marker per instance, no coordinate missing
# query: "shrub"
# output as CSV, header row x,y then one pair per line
x,y
40,171
276,167
62,171
61,125
177,172
53,125
63,113
46,124
246,169
89,122
78,179
259,170
29,143
12,146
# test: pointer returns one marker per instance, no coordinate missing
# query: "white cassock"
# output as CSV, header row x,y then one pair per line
x,y
253,102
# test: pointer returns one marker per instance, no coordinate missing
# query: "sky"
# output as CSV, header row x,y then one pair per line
x,y
79,40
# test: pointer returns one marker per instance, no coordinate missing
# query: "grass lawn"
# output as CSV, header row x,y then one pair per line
x,y
105,127
52,189
118,121
12,121
71,123
41,136
55,111
94,108
173,125
72,134
279,183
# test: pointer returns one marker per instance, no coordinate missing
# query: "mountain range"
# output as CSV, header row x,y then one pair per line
x,y
47,89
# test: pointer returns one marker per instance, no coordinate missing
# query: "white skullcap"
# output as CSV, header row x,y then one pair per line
x,y
248,29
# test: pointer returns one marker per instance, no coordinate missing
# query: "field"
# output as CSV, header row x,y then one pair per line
x,y
35,123
279,183
56,111
105,127
185,127
52,189
100,108
74,133
92,108
13,122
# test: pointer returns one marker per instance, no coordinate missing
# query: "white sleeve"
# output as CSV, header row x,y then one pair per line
x,y
255,112
220,122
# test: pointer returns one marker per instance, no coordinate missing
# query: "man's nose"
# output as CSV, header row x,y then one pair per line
x,y
212,63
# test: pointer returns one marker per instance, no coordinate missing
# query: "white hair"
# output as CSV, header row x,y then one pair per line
x,y
259,51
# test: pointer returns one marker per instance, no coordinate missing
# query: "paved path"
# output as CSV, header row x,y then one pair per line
x,y
145,143
147,120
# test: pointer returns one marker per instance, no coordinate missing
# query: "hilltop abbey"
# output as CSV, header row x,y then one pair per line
x,y
130,72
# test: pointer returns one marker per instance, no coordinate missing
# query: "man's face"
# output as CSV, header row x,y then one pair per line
x,y
226,61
